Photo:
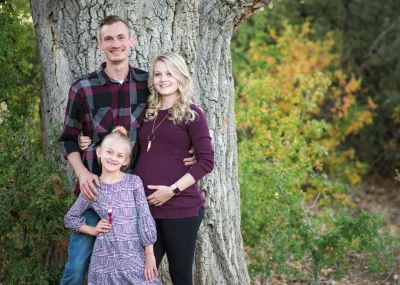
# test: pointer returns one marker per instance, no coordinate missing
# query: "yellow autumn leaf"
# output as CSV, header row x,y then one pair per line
x,y
353,85
371,104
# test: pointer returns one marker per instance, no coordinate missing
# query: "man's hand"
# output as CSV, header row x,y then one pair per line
x,y
84,141
162,195
86,185
189,161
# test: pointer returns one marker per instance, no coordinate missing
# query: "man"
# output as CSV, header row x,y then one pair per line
x,y
115,94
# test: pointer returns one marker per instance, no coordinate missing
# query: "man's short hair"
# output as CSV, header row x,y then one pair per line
x,y
112,19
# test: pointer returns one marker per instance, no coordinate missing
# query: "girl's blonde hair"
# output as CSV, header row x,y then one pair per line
x,y
119,133
181,109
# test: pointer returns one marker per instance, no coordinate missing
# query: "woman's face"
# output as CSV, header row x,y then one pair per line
x,y
164,82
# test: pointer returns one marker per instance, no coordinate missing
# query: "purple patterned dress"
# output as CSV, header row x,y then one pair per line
x,y
118,256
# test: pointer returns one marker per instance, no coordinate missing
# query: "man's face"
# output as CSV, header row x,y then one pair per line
x,y
115,42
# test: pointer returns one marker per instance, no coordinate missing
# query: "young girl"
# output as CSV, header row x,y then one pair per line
x,y
123,251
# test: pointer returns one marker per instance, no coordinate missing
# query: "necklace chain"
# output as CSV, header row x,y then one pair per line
x,y
151,137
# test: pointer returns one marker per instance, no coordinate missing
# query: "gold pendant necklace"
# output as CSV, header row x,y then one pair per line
x,y
151,137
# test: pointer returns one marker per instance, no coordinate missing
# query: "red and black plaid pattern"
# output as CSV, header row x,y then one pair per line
x,y
98,103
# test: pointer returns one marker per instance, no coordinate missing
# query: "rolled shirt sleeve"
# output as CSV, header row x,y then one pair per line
x,y
73,120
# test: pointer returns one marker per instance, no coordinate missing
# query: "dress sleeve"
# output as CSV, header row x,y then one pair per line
x,y
74,219
146,225
201,140
73,120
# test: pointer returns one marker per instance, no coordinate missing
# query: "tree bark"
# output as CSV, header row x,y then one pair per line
x,y
199,30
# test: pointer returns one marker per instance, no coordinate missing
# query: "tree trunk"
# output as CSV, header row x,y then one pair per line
x,y
201,31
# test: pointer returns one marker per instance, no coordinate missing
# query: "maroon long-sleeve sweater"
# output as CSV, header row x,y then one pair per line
x,y
163,163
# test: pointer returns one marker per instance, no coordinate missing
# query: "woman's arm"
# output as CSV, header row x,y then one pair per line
x,y
164,193
199,134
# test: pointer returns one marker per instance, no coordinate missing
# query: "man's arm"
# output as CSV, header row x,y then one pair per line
x,y
85,177
73,124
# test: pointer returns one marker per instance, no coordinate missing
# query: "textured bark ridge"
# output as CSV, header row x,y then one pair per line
x,y
201,31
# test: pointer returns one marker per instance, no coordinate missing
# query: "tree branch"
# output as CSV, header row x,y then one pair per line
x,y
305,210
372,51
381,36
249,9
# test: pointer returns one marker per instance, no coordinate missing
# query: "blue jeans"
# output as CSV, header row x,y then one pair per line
x,y
79,252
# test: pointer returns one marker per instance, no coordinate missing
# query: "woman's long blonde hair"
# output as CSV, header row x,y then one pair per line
x,y
181,109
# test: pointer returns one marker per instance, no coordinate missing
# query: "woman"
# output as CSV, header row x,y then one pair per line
x,y
173,124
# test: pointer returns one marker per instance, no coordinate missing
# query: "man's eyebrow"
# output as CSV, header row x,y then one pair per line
x,y
119,35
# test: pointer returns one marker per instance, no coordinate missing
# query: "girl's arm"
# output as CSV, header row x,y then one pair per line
x,y
102,227
75,220
150,266
146,226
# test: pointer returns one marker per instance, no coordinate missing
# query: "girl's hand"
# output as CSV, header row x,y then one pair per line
x,y
150,267
84,142
160,196
103,226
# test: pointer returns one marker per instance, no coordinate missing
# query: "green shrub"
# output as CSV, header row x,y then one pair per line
x,y
34,198
290,155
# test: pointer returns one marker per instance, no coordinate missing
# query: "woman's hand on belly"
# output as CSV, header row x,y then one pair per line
x,y
161,195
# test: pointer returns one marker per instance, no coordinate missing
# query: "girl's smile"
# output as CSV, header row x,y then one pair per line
x,y
113,155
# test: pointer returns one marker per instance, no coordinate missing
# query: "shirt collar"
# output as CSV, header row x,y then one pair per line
x,y
104,78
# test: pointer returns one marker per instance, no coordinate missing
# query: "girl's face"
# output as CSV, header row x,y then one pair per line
x,y
113,154
164,82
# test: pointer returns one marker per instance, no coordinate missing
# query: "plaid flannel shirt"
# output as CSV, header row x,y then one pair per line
x,y
98,103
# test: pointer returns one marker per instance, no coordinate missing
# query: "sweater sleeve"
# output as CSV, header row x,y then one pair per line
x,y
201,140
74,219
146,225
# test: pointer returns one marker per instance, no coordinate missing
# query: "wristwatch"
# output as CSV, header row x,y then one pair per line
x,y
175,189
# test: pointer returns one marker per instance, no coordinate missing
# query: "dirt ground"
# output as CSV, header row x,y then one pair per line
x,y
375,195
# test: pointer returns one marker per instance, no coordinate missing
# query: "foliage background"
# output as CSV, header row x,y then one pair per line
x,y
34,195
310,115
317,109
